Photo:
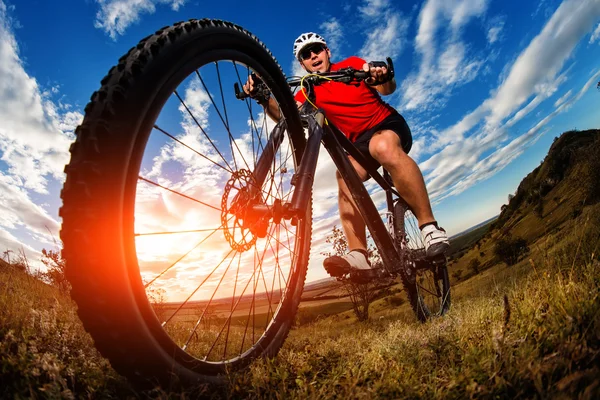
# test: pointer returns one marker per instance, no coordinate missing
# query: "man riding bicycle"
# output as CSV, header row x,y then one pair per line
x,y
378,131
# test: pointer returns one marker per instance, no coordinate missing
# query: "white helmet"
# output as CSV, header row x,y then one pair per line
x,y
306,39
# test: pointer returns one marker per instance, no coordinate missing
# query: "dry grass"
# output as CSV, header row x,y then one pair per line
x,y
532,331
527,331
44,350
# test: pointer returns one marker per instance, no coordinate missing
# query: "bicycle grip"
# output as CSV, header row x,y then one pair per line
x,y
388,63
240,94
377,64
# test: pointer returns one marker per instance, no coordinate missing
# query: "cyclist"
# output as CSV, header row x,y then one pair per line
x,y
379,132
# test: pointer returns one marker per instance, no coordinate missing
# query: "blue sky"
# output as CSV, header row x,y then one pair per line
x,y
484,84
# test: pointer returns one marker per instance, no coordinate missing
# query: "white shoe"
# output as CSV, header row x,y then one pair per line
x,y
355,261
435,239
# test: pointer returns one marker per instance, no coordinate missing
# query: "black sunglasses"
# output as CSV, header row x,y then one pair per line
x,y
305,52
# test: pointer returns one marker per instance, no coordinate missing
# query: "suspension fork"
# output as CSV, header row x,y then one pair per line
x,y
304,178
379,233
266,158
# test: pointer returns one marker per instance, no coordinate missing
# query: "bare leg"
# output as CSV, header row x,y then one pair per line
x,y
386,148
352,223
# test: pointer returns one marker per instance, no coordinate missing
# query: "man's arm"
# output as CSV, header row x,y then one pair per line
x,y
272,109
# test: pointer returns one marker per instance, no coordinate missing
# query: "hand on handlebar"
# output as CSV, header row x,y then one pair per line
x,y
249,87
256,89
379,73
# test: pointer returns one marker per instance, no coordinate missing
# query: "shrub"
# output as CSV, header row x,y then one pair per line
x,y
592,174
457,274
396,300
474,265
509,250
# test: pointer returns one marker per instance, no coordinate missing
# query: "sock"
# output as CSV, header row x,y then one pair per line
x,y
365,253
434,223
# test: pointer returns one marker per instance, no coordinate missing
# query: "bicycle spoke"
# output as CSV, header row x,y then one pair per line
x,y
182,257
428,291
226,124
195,151
177,232
207,305
201,129
228,322
222,96
231,314
249,106
197,288
177,193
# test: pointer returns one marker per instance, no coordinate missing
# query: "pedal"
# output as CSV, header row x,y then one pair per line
x,y
367,275
437,260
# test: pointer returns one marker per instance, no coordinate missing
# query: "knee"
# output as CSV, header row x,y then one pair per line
x,y
344,197
386,153
338,176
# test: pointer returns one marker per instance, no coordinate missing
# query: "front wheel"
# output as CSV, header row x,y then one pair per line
x,y
180,262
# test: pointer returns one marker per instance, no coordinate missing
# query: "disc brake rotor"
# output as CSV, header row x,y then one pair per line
x,y
244,193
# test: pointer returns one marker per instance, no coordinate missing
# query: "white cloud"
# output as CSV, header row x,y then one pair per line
x,y
115,16
20,210
596,34
445,62
333,33
387,39
373,8
542,91
494,33
536,71
34,140
386,31
458,166
31,141
563,98
549,49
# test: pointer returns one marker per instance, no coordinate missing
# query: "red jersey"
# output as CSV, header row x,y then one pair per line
x,y
352,109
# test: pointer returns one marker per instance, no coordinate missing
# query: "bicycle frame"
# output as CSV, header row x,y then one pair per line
x,y
337,145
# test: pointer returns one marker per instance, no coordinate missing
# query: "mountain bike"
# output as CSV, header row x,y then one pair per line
x,y
187,212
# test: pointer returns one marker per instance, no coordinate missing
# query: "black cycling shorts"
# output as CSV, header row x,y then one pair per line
x,y
394,122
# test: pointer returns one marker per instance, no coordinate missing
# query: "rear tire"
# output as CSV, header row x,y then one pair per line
x,y
426,281
119,299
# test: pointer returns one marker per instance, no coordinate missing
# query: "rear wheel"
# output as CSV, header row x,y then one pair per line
x,y
428,283
180,261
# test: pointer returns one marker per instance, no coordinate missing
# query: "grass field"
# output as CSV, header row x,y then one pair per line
x,y
530,330
527,331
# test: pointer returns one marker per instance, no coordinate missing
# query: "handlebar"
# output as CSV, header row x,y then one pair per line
x,y
345,75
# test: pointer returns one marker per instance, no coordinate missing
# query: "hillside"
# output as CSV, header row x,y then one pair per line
x,y
561,177
547,201
465,240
